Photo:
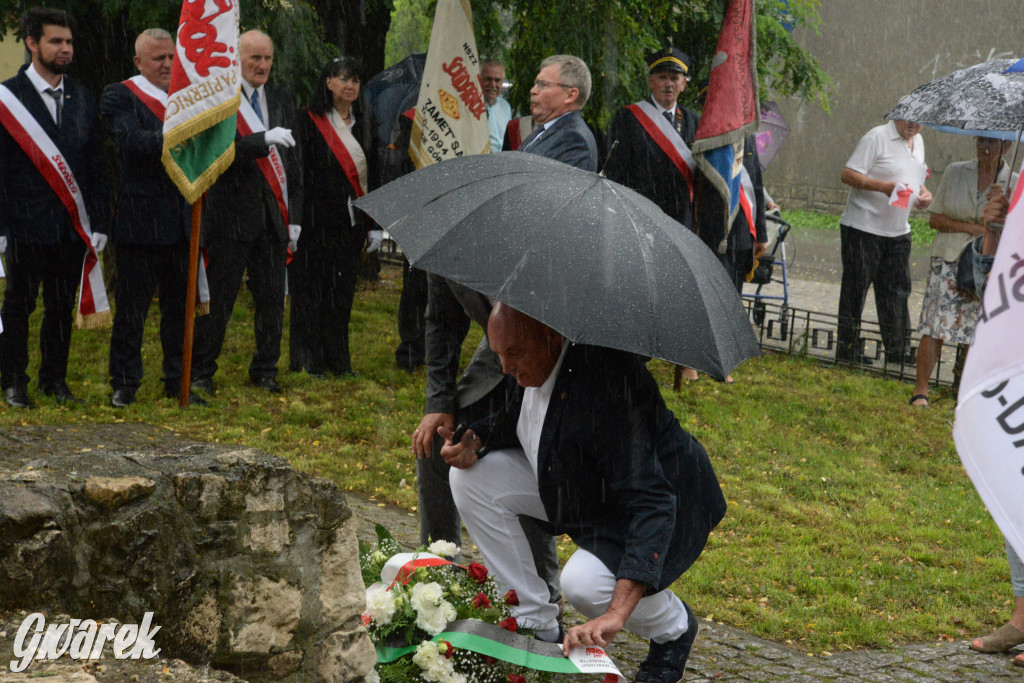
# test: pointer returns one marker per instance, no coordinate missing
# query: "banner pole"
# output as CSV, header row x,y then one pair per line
x,y
190,304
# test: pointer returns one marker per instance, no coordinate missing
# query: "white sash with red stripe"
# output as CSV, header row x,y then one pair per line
x,y
340,151
150,95
667,138
747,201
271,165
156,100
93,308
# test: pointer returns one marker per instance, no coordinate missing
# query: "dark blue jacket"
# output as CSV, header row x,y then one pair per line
x,y
150,208
30,210
616,471
567,140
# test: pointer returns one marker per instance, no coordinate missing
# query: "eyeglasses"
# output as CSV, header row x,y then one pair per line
x,y
542,85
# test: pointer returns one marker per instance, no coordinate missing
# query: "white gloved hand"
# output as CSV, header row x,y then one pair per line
x,y
3,244
373,240
99,241
282,137
294,231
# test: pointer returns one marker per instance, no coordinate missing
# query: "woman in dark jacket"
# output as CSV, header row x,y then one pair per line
x,y
336,138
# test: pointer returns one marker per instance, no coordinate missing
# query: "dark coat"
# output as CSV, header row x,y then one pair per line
x,y
239,203
568,140
639,163
710,224
615,469
327,191
150,209
29,209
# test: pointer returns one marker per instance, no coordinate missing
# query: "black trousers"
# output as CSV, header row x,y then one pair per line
x,y
884,263
58,268
411,351
141,270
322,285
737,265
264,261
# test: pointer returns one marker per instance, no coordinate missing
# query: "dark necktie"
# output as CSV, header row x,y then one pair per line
x,y
669,118
58,99
530,143
256,106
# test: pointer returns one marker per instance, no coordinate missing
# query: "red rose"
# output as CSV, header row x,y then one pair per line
x,y
477,572
516,678
509,624
490,661
481,600
511,598
445,648
366,619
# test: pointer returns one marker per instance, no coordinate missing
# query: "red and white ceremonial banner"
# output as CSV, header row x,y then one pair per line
x,y
93,308
666,137
271,165
451,118
989,428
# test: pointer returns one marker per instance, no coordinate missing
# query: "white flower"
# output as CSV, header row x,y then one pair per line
x,y
435,667
433,612
380,604
443,548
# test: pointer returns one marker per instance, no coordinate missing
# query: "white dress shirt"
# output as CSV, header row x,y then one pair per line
x,y
42,86
535,408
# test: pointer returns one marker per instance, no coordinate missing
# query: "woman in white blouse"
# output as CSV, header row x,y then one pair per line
x,y
946,314
335,137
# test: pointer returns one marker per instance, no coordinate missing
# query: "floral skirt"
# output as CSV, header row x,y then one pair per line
x,y
944,313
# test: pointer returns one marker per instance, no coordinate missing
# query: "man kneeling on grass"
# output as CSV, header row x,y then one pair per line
x,y
587,446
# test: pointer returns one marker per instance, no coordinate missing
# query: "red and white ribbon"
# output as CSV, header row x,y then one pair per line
x,y
150,95
667,138
93,307
271,165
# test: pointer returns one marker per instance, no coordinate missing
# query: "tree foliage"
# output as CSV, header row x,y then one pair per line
x,y
410,29
306,34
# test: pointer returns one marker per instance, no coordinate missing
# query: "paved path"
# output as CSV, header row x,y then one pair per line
x,y
723,653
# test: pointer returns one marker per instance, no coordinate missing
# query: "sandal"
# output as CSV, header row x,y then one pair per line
x,y
1000,640
924,397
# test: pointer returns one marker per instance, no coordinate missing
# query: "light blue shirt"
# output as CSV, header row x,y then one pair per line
x,y
498,116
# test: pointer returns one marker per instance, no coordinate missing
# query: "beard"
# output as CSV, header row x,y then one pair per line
x,y
54,66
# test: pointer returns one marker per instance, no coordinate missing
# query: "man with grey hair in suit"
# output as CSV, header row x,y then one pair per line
x,y
559,93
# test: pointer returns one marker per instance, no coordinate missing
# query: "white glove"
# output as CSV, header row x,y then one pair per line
x,y
3,244
294,231
373,240
99,241
282,137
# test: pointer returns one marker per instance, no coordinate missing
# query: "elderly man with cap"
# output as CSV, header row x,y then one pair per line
x,y
654,135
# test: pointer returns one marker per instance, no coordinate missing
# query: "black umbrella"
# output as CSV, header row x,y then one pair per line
x,y
590,258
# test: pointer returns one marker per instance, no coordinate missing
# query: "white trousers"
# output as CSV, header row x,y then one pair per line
x,y
490,497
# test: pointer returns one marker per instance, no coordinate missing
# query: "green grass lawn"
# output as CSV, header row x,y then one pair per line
x,y
851,522
920,233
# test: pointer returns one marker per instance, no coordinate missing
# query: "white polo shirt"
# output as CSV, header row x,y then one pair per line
x,y
884,155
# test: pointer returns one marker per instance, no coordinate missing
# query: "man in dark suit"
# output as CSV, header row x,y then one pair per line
x,y
151,222
654,135
556,98
42,242
246,229
586,445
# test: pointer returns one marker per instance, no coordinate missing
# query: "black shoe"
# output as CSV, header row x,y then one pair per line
x,y
60,392
267,384
204,384
666,663
17,397
194,399
122,398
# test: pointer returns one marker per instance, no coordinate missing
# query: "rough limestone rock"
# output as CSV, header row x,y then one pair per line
x,y
247,564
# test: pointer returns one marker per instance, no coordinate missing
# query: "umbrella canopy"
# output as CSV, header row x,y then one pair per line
x,y
772,132
394,90
590,258
981,98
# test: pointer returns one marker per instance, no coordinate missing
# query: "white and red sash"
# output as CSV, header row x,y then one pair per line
x,y
340,151
93,308
747,201
156,100
271,165
150,95
667,138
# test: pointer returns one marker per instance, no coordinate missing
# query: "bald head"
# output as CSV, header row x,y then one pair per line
x,y
154,56
528,348
256,50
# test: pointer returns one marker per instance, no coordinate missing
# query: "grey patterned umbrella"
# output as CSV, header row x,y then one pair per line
x,y
980,98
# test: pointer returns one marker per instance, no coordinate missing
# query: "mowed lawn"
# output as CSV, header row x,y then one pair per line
x,y
851,522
